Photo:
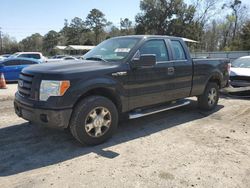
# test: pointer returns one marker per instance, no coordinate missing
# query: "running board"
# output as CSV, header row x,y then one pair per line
x,y
177,104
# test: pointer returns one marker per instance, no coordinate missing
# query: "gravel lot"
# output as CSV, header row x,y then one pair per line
x,y
179,148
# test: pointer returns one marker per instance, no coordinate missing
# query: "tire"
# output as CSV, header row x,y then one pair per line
x,y
94,120
209,99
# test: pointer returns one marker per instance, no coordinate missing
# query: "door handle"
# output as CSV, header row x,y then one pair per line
x,y
171,70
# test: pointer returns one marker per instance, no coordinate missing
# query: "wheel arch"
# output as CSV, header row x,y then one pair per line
x,y
102,86
216,77
107,92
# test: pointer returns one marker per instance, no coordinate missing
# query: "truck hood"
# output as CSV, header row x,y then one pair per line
x,y
69,67
239,71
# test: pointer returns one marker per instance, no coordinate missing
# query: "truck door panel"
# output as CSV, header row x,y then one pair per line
x,y
183,70
149,84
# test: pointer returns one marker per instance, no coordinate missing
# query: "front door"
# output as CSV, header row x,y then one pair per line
x,y
148,85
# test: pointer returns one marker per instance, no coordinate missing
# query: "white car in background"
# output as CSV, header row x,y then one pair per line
x,y
240,72
4,56
59,58
34,55
1,58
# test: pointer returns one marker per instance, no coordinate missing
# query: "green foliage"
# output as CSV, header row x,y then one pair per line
x,y
126,27
88,38
237,9
96,22
10,45
245,36
32,43
50,40
72,32
167,17
114,32
126,24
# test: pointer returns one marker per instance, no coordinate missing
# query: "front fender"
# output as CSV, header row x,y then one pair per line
x,y
81,88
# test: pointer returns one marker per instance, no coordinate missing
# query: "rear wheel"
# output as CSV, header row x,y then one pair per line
x,y
209,99
94,120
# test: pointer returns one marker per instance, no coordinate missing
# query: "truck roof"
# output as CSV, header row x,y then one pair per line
x,y
149,36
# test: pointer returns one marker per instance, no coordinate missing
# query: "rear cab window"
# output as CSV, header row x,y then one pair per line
x,y
178,50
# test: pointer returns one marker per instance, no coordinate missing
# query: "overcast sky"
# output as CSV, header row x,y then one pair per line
x,y
21,18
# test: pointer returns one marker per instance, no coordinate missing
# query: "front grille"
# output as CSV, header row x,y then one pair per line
x,y
25,84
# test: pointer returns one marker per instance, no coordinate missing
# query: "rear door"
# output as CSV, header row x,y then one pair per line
x,y
148,85
183,69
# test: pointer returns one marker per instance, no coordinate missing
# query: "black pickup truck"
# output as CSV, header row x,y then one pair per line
x,y
130,76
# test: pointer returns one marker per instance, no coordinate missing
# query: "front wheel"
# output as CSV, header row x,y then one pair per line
x,y
209,99
94,120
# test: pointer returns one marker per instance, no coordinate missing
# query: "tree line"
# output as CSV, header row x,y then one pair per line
x,y
217,25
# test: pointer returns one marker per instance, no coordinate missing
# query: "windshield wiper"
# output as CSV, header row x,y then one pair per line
x,y
96,58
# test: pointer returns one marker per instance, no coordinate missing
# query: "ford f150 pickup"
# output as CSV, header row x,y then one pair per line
x,y
131,75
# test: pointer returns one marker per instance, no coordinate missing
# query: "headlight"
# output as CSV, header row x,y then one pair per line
x,y
53,88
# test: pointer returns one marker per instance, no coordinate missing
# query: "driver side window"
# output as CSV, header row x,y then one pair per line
x,y
157,48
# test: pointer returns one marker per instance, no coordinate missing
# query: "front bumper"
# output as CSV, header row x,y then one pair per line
x,y
58,118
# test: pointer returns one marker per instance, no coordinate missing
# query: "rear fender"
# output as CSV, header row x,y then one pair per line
x,y
216,76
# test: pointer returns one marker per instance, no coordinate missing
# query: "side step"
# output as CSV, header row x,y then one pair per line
x,y
177,104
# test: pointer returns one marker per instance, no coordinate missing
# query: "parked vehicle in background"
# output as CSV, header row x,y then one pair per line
x,y
33,55
12,67
69,58
130,75
58,56
79,57
4,56
61,58
240,72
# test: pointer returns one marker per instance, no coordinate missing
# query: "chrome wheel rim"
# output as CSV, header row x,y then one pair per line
x,y
98,122
212,96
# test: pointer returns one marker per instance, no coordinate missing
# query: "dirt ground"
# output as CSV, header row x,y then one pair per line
x,y
179,148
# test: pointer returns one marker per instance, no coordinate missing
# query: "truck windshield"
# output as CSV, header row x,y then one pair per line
x,y
115,49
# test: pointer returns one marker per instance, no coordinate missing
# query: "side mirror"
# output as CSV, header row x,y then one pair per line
x,y
145,60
